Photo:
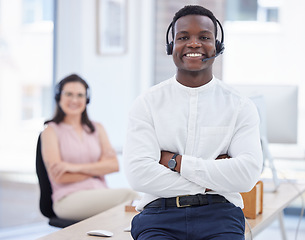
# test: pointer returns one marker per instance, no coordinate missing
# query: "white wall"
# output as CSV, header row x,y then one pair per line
x,y
115,80
260,53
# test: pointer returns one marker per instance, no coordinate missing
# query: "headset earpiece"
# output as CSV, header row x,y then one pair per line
x,y
169,48
57,92
169,45
88,96
219,47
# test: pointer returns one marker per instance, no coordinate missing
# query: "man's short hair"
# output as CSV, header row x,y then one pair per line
x,y
193,10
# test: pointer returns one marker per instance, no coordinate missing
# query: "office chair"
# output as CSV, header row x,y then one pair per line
x,y
45,202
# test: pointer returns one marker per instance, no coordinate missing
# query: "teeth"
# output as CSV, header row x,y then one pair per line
x,y
194,55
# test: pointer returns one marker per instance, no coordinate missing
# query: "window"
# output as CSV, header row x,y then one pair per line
x,y
26,63
37,11
253,10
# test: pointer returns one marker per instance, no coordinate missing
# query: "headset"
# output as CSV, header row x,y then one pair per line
x,y
59,87
219,45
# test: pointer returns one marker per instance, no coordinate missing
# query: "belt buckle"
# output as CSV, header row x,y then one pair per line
x,y
178,202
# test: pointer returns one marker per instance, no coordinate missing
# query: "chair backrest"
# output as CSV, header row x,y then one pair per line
x,y
45,202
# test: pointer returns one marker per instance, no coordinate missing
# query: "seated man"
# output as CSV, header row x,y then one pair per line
x,y
192,143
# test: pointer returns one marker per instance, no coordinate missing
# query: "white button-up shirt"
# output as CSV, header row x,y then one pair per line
x,y
200,124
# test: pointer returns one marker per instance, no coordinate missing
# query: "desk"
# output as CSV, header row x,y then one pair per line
x,y
116,219
273,206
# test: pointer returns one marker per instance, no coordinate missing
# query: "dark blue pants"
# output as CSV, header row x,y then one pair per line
x,y
221,221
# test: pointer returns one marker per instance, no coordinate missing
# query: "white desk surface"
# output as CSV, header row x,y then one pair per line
x,y
273,205
116,219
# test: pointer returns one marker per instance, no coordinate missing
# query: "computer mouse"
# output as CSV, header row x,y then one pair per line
x,y
101,233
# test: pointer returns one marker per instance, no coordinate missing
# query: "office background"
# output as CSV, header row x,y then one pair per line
x,y
41,41
262,47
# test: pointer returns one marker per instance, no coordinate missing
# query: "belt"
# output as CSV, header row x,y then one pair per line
x,y
187,201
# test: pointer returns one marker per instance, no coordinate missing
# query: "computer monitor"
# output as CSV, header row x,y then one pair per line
x,y
278,109
281,109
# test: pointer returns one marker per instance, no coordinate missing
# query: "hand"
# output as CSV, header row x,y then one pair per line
x,y
166,156
223,156
59,168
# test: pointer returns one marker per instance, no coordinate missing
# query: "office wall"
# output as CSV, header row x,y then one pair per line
x,y
115,80
269,53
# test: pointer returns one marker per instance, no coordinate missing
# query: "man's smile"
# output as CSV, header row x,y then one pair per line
x,y
193,55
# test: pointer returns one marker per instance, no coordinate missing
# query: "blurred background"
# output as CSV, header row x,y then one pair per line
x,y
118,46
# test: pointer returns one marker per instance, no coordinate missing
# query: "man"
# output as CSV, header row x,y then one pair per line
x,y
192,143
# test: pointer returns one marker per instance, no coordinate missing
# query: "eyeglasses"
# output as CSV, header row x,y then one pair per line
x,y
79,96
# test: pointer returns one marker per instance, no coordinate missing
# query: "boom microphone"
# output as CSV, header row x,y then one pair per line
x,y
216,55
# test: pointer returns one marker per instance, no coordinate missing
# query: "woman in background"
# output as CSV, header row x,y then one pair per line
x,y
78,154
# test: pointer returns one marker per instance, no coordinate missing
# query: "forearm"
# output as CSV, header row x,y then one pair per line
x,y
166,156
236,174
226,175
97,169
154,179
145,174
71,178
65,172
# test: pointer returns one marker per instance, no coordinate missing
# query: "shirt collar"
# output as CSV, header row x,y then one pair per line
x,y
196,89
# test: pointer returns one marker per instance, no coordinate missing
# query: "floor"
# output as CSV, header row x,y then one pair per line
x,y
19,214
27,232
20,218
18,204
